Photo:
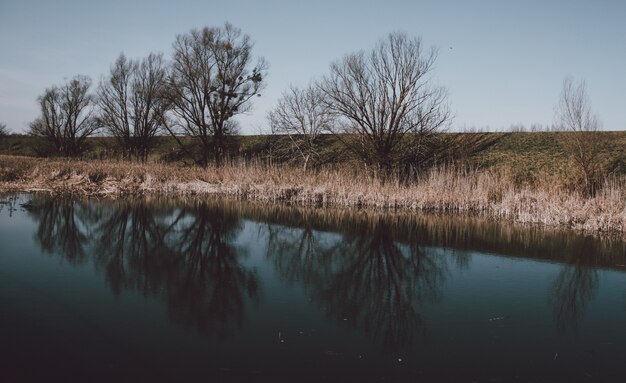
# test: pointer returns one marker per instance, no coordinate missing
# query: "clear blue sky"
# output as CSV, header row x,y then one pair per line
x,y
503,62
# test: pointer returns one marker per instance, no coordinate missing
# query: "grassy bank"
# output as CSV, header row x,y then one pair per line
x,y
490,192
527,155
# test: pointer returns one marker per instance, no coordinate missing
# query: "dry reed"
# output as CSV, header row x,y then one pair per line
x,y
488,193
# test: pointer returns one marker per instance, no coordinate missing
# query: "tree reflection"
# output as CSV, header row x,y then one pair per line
x,y
208,286
574,287
374,271
62,227
365,278
130,245
298,254
185,257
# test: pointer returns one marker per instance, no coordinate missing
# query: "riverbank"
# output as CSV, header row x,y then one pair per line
x,y
488,193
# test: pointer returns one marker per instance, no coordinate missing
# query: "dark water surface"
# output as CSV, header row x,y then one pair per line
x,y
162,290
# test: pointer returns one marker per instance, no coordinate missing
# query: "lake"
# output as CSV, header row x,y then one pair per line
x,y
193,290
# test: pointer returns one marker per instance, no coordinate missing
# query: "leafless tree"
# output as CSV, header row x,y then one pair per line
x,y
66,116
303,116
212,79
131,105
387,102
581,137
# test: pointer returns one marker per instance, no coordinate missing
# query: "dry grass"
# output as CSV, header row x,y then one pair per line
x,y
487,192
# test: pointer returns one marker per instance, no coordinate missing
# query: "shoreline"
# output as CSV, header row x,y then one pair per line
x,y
450,231
483,193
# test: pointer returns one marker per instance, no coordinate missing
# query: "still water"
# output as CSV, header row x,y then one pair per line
x,y
163,290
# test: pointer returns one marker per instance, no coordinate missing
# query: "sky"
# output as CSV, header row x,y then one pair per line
x,y
502,62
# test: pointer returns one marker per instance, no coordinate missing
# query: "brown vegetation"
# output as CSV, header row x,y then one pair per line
x,y
485,192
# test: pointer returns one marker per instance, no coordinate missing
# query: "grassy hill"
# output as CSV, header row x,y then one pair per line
x,y
528,155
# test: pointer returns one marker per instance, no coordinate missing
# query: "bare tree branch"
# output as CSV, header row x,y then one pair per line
x,y
131,105
66,116
302,115
212,79
385,100
581,138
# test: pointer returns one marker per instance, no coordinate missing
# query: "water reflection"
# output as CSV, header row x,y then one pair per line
x,y
364,278
62,227
575,286
379,283
130,247
185,257
8,203
207,283
374,272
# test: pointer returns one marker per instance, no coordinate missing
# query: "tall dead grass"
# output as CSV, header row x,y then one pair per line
x,y
484,192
